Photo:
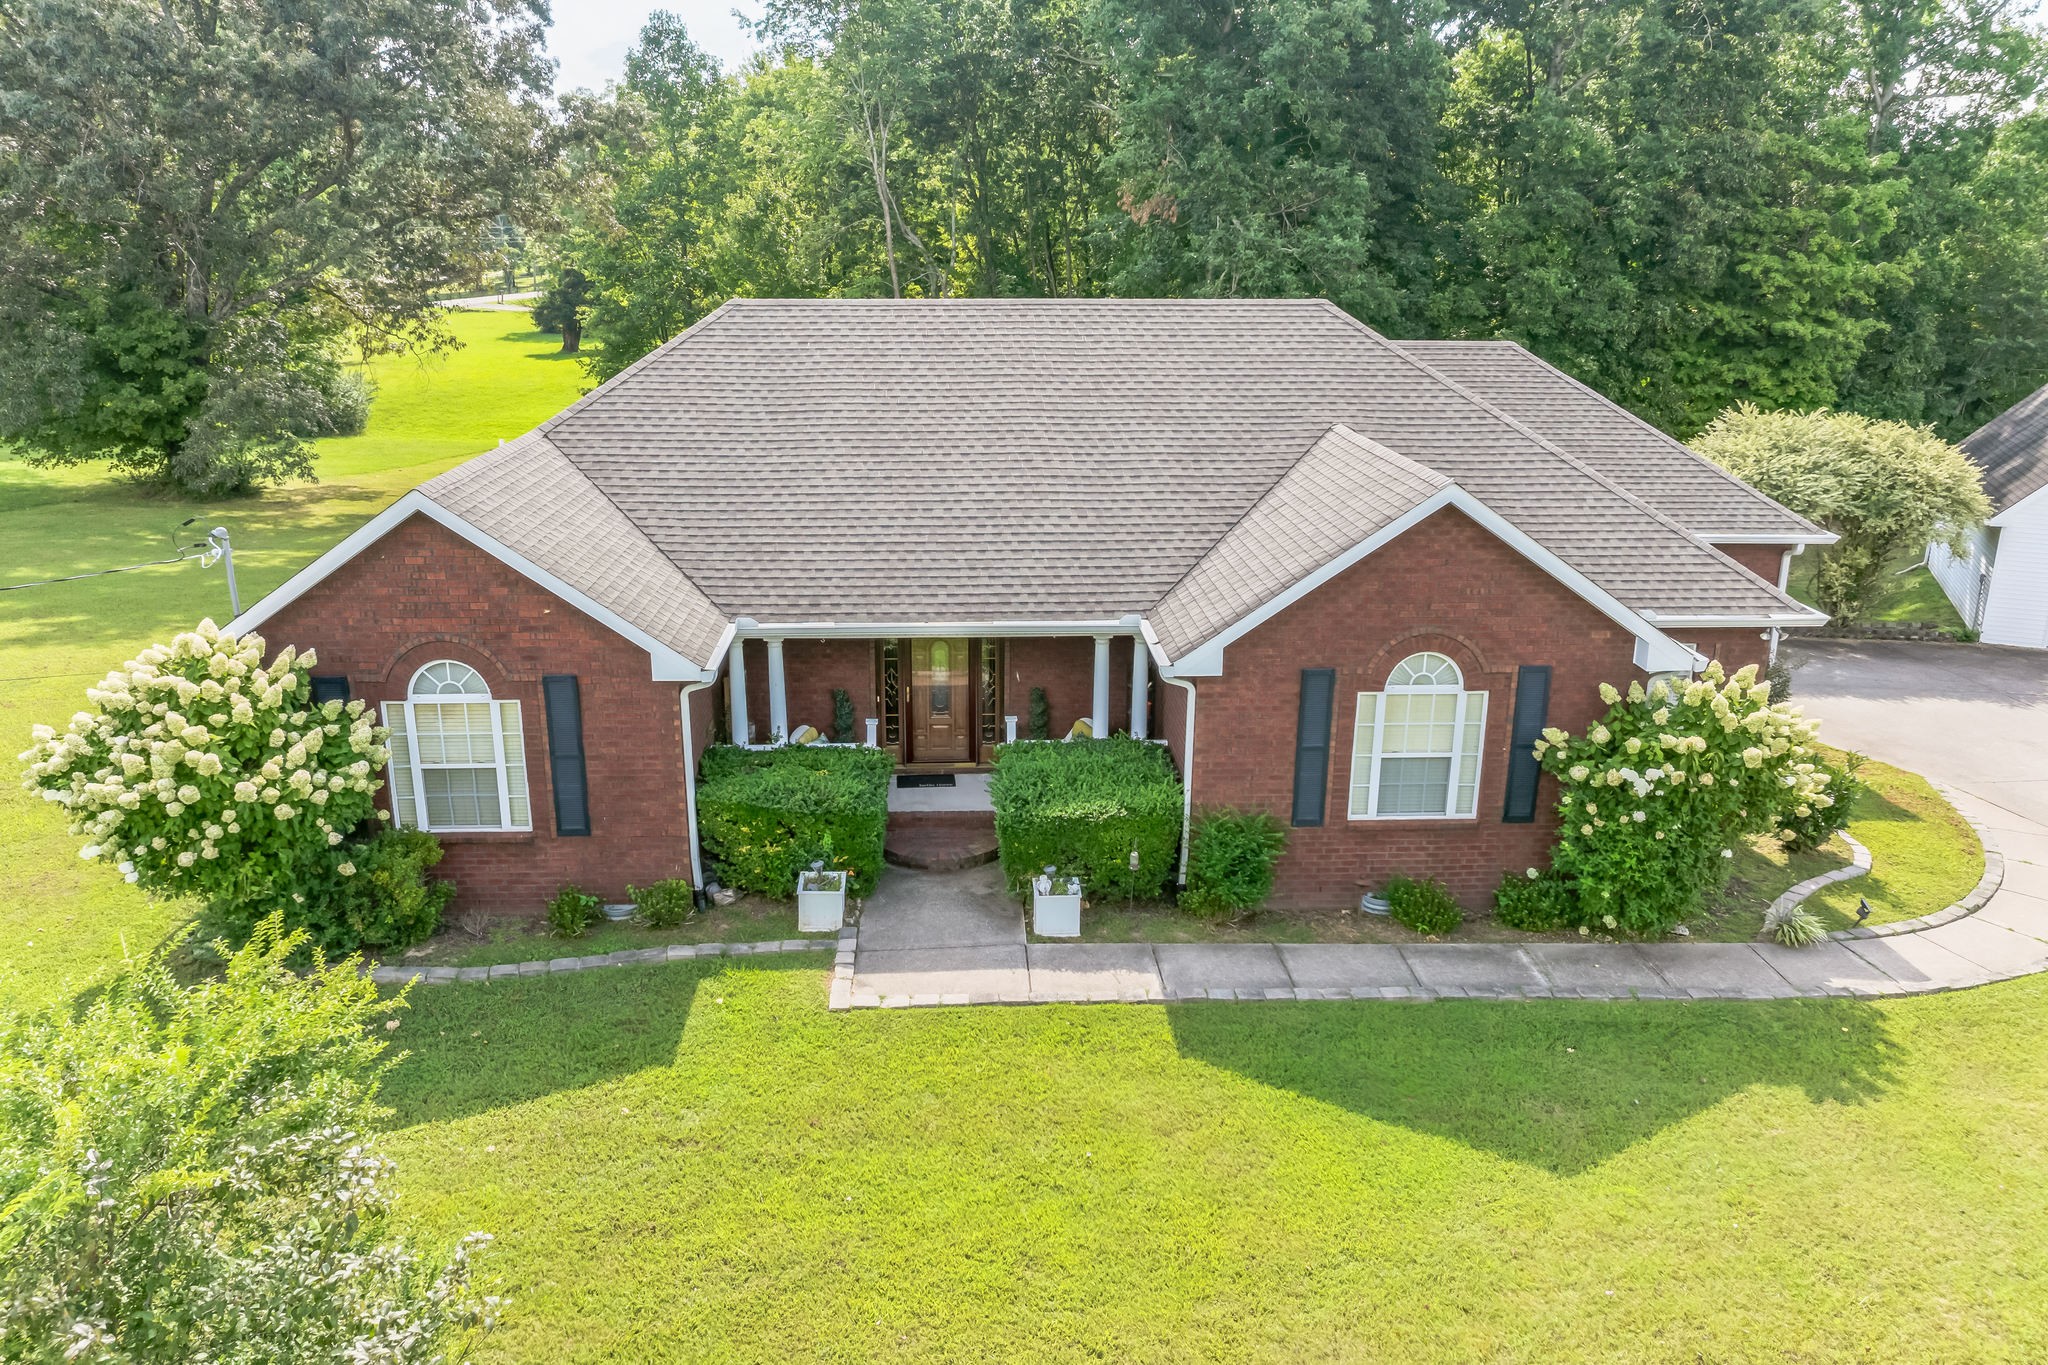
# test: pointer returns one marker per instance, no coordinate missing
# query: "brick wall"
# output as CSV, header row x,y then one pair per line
x,y
1447,585
1733,648
423,593
1065,667
1762,560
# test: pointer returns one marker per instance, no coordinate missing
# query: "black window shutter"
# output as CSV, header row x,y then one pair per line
x,y
1312,744
1532,710
329,689
565,754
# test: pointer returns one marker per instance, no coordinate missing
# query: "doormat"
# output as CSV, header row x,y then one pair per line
x,y
924,780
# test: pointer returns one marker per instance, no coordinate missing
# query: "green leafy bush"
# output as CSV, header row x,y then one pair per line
x,y
1040,715
1091,807
379,896
1231,855
573,911
202,771
1534,903
768,814
1658,791
188,1175
842,715
1424,906
665,904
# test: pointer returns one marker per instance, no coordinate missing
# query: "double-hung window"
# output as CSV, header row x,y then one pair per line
x,y
1415,745
458,757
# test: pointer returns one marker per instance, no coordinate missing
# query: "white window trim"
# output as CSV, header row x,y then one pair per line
x,y
1379,726
408,708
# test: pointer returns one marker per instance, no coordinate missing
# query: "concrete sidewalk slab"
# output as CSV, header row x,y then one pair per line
x,y
1345,966
962,909
1824,968
990,971
1475,968
1191,970
1717,968
2018,911
1993,947
1911,960
1094,971
1607,970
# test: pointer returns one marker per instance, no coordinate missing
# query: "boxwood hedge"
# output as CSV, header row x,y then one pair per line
x,y
767,814
1083,806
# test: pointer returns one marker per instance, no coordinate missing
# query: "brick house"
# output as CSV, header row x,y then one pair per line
x,y
1342,579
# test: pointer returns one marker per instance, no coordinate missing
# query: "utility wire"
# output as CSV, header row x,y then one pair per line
x,y
102,573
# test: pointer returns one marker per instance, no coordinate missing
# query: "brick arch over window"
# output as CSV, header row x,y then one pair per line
x,y
419,651
1471,660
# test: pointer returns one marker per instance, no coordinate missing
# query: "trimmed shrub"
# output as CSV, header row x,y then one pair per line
x,y
381,896
842,715
573,911
768,814
1535,903
1230,862
1041,715
1091,807
665,904
1424,906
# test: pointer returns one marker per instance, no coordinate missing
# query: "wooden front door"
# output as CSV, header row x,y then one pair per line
x,y
941,702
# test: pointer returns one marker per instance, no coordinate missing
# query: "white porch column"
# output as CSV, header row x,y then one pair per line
x,y
1141,683
736,689
778,695
1098,719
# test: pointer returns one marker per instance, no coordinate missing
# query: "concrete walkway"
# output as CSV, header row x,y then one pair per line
x,y
958,939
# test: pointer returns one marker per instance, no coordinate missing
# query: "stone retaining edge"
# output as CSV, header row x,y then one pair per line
x,y
625,957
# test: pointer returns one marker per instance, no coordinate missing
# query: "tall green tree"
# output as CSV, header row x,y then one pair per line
x,y
200,199
1276,147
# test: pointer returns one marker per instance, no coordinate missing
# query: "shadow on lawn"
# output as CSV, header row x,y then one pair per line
x,y
474,1047
1557,1085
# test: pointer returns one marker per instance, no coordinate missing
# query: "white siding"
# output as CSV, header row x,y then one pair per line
x,y
2017,612
1962,576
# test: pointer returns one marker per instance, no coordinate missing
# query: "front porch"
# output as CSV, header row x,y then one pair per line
x,y
936,700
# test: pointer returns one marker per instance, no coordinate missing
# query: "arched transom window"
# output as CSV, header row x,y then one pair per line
x,y
1415,744
458,757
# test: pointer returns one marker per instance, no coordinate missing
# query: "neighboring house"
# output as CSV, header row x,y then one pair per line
x,y
1999,584
1342,579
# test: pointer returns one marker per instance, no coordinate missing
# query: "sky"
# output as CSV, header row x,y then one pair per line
x,y
590,37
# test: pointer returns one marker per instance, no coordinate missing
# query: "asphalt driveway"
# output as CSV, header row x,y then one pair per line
x,y
1972,717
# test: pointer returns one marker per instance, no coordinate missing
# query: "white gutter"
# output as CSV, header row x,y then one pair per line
x,y
690,786
1187,776
1761,538
1769,620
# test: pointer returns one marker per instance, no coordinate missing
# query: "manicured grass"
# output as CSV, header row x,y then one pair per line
x,y
1908,594
698,1163
1924,857
55,641
748,920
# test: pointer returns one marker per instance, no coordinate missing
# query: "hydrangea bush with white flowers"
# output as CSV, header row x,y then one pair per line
x,y
1658,791
201,771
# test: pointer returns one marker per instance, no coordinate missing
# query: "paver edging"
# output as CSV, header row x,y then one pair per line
x,y
625,957
1986,887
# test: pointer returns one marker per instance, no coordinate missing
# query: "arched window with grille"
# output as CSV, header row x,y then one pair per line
x,y
1416,744
458,755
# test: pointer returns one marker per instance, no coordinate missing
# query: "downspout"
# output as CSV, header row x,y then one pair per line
x,y
690,784
1187,777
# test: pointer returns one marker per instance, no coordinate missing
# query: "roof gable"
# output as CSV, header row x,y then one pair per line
x,y
2012,450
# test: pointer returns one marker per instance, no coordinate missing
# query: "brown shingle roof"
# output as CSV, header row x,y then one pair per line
x,y
963,460
1690,489
2012,450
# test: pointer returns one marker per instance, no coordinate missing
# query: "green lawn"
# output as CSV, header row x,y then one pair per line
x,y
60,918
1909,593
697,1162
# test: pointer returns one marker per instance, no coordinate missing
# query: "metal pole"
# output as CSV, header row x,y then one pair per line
x,y
219,535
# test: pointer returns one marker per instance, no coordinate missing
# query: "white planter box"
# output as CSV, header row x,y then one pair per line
x,y
1056,907
820,912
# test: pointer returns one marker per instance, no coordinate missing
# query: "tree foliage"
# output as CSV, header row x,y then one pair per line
x,y
188,1176
201,200
1885,488
1687,203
